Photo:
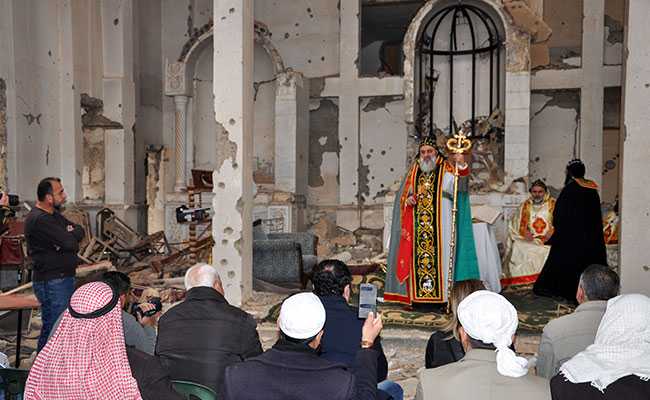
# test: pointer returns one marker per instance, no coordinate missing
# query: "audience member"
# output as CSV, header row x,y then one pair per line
x,y
490,369
86,357
444,345
200,337
342,330
617,365
566,336
139,333
293,370
52,243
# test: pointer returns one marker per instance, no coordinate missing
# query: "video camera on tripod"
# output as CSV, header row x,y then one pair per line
x,y
185,214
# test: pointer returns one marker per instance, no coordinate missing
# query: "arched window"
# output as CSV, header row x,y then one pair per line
x,y
460,68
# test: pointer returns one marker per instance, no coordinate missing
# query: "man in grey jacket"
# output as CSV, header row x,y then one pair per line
x,y
490,369
139,333
566,336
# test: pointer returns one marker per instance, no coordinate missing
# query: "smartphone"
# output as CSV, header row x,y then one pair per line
x,y
367,300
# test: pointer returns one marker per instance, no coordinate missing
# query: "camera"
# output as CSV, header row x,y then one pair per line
x,y
14,200
156,301
185,214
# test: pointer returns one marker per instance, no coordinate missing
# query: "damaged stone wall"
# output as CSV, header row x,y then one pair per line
x,y
614,32
554,125
611,145
264,120
305,32
563,50
382,143
324,149
37,53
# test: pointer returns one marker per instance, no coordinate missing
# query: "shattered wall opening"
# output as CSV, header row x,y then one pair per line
x,y
554,125
383,26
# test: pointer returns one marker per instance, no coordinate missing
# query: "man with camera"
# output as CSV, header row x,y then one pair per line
x,y
52,243
139,325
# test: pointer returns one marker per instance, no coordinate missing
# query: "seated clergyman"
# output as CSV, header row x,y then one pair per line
x,y
530,228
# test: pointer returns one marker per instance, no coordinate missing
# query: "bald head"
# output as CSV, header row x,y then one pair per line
x,y
203,275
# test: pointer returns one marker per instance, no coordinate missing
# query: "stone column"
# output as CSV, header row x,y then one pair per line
x,y
233,179
70,133
119,102
180,129
291,127
635,142
349,106
592,92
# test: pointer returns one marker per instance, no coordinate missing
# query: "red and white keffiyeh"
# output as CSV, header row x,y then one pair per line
x,y
86,357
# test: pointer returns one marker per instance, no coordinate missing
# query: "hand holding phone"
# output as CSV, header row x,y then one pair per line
x,y
367,299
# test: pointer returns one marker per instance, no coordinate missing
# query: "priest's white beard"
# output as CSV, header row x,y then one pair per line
x,y
427,166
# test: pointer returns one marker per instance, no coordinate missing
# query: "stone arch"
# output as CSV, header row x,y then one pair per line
x,y
517,80
202,38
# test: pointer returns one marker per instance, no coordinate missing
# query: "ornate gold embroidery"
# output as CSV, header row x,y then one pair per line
x,y
427,282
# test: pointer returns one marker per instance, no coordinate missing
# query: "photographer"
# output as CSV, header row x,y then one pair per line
x,y
139,331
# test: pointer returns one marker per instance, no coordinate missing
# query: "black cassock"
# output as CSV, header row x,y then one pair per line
x,y
577,241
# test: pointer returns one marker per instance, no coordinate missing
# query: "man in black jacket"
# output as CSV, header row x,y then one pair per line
x,y
52,243
292,369
200,337
332,279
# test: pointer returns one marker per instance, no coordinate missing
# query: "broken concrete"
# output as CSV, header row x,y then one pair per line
x,y
526,19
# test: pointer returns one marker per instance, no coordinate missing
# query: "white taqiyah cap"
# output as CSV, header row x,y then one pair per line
x,y
302,316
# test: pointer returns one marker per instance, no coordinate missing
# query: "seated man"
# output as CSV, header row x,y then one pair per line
x,y
490,370
566,336
617,365
331,279
86,357
139,333
200,337
530,228
293,370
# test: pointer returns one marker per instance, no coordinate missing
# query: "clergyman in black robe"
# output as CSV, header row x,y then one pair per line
x,y
577,241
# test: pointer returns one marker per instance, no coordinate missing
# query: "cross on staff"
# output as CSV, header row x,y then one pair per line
x,y
458,144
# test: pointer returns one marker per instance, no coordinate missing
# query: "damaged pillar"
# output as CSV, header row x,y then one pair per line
x,y
233,178
292,124
635,181
592,92
119,103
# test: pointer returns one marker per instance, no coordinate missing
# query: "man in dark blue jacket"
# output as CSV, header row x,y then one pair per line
x,y
292,369
331,279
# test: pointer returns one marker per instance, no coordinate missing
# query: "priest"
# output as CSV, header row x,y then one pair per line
x,y
577,240
528,231
419,250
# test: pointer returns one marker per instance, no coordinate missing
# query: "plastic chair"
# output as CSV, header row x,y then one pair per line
x,y
12,382
194,391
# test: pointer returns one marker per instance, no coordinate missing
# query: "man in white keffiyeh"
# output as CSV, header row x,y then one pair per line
x,y
617,365
490,369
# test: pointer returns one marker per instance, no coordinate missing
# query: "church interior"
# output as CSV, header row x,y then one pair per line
x,y
298,119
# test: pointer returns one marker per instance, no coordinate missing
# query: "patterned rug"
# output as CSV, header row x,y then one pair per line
x,y
534,311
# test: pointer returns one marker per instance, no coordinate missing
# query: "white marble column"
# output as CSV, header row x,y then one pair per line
x,y
233,179
635,145
592,91
180,130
